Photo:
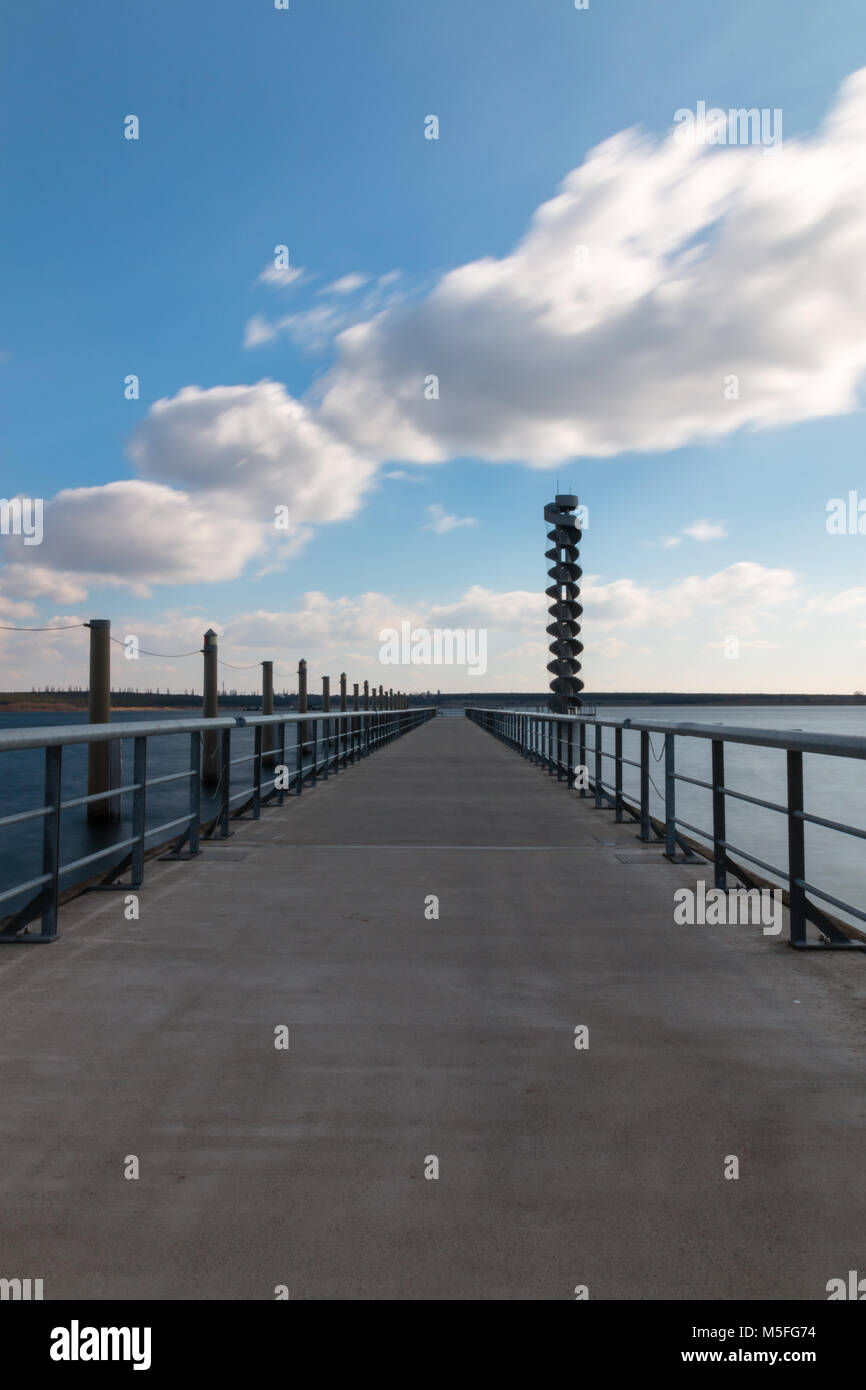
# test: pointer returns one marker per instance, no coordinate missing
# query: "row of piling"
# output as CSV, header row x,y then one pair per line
x,y
100,775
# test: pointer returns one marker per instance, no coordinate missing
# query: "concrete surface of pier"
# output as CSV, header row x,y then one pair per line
x,y
410,1038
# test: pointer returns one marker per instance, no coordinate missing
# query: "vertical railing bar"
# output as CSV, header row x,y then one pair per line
x,y
194,791
225,779
598,774
281,760
720,877
581,755
670,796
796,849
51,840
139,811
257,773
644,785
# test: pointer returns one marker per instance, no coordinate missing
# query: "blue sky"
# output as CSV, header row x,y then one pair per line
x,y
306,128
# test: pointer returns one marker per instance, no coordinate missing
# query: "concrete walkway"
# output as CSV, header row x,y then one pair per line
x,y
412,1037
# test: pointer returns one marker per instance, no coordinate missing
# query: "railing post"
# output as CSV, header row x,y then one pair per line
x,y
326,723
299,756
598,776
226,780
281,756
618,766
210,773
719,833
796,850
139,810
257,772
342,723
581,755
570,737
194,791
644,785
302,709
268,708
51,840
559,750
99,712
670,797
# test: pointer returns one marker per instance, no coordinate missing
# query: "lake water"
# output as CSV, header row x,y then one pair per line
x,y
21,789
835,788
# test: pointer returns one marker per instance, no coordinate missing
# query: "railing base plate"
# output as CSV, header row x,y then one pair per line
x,y
828,945
27,939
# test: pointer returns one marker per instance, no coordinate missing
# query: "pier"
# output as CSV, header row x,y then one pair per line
x,y
443,953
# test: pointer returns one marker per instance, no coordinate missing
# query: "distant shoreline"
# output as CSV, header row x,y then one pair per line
x,y
64,707
20,702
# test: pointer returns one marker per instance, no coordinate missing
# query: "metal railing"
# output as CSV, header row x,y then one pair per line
x,y
558,743
326,743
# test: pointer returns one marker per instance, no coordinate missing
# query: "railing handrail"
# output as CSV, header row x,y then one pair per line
x,y
56,735
548,739
838,745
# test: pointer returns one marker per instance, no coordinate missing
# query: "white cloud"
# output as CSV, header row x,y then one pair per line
x,y
705,530
214,465
259,331
401,475
254,446
759,644
311,328
738,594
637,636
848,601
10,610
281,278
442,521
317,326
347,284
702,261
516,610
